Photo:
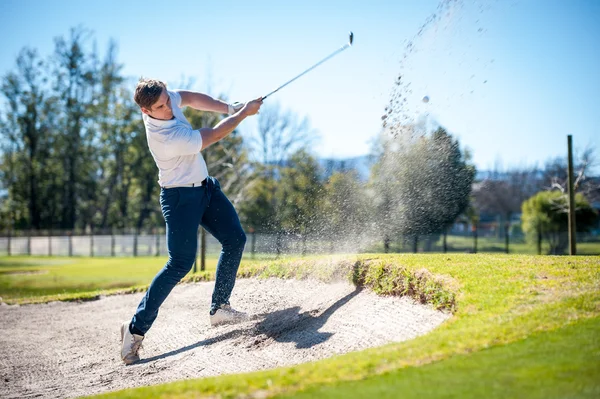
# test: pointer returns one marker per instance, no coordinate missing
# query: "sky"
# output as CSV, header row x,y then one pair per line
x,y
509,78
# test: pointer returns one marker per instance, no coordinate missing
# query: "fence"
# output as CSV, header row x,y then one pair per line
x,y
154,244
131,244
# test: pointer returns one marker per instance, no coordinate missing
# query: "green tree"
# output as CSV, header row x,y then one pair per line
x,y
345,210
75,78
257,210
544,217
503,194
28,137
423,184
299,195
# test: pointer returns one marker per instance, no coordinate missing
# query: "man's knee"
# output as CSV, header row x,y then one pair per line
x,y
237,239
242,238
181,262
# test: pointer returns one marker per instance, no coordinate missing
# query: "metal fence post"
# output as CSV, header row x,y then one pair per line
x,y
70,235
157,237
112,242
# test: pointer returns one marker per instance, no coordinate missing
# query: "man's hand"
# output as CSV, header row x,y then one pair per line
x,y
252,107
226,126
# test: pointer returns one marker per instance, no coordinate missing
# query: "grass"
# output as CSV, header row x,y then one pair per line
x,y
521,369
522,326
43,279
506,307
465,244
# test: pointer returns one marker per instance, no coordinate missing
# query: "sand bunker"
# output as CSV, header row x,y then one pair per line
x,y
62,349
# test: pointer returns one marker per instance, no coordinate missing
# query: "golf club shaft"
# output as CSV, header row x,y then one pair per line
x,y
344,47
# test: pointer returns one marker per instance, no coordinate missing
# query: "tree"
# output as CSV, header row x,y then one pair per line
x,y
504,193
544,217
345,210
299,194
257,210
280,134
382,184
425,181
28,134
74,87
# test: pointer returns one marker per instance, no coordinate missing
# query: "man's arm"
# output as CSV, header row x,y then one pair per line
x,y
202,102
227,125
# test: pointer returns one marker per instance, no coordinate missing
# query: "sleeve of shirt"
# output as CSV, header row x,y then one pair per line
x,y
183,141
175,98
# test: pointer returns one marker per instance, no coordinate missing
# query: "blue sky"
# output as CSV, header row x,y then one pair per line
x,y
511,79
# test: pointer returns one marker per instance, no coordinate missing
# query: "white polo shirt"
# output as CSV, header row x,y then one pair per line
x,y
175,147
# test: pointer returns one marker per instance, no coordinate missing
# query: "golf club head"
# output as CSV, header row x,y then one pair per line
x,y
351,38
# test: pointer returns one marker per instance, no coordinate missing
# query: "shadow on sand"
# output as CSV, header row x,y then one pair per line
x,y
287,325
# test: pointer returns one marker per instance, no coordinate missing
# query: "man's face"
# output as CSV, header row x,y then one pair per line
x,y
161,109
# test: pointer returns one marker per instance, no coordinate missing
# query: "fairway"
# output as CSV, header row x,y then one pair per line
x,y
520,369
41,279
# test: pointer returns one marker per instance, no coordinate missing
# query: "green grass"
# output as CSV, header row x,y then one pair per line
x,y
564,363
523,326
43,279
465,244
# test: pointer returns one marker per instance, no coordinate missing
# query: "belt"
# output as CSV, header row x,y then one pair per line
x,y
202,183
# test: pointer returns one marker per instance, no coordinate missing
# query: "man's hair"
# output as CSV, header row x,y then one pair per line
x,y
147,92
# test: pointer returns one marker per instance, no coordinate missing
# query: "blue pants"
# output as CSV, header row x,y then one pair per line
x,y
184,209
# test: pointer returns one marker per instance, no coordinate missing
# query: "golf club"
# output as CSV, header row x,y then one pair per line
x,y
344,47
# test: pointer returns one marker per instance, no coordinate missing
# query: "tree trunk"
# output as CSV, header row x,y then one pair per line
x,y
386,244
539,239
445,241
507,232
202,249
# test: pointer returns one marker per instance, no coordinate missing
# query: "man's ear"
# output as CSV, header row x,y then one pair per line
x,y
145,111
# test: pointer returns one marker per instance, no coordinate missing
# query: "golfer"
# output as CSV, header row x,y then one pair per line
x,y
189,197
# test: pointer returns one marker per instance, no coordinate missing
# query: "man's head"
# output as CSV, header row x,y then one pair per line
x,y
152,97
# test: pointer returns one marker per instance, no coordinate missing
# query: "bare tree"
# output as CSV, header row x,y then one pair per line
x,y
280,134
504,192
556,178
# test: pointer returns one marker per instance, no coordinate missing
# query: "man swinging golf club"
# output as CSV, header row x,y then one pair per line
x,y
189,197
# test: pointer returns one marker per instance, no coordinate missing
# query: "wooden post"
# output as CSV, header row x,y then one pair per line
x,y
202,249
445,240
135,242
539,238
112,242
572,227
253,250
506,234
157,236
195,268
